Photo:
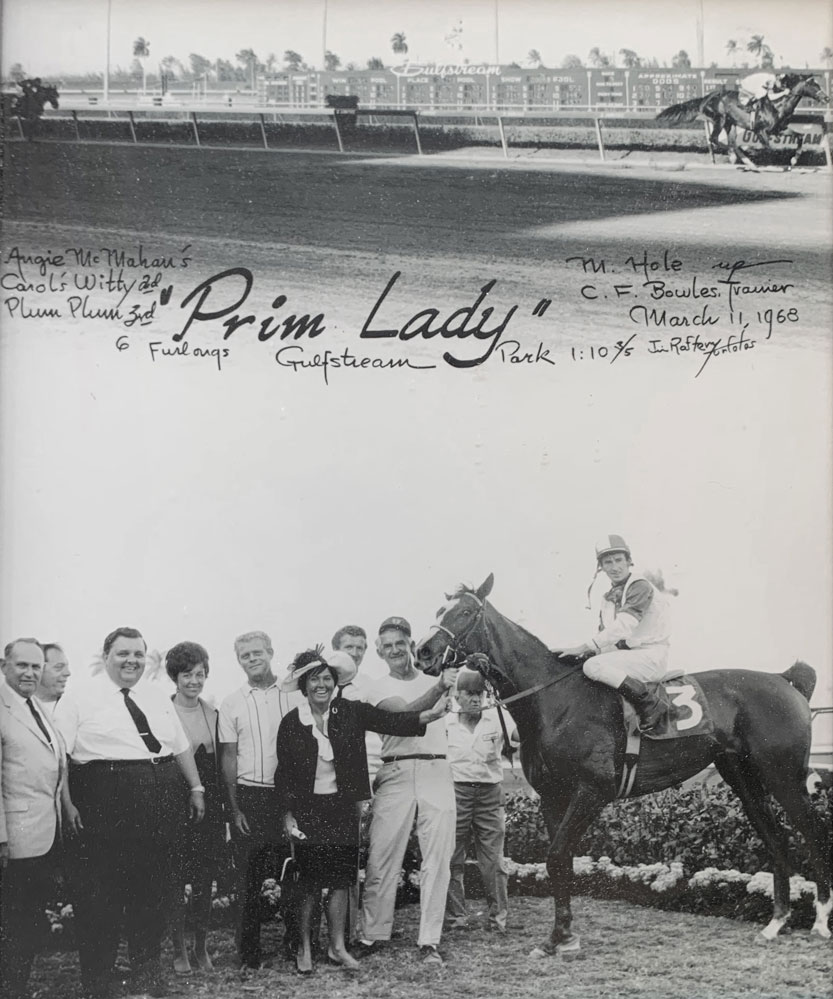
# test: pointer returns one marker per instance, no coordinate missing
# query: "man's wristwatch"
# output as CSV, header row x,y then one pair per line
x,y
199,787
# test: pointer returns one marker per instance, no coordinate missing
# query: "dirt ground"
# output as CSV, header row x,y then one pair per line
x,y
329,229
626,952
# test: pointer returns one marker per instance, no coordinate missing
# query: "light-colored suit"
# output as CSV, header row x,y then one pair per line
x,y
32,773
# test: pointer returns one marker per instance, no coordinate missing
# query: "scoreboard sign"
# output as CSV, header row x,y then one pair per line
x,y
660,89
608,88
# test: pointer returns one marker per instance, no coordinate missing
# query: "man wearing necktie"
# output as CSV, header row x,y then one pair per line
x,y
129,755
32,770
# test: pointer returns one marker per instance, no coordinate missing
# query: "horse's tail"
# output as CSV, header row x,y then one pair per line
x,y
681,114
802,677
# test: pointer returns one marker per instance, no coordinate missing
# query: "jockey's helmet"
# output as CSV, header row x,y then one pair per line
x,y
611,544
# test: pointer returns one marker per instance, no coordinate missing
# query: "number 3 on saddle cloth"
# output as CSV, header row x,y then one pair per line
x,y
686,714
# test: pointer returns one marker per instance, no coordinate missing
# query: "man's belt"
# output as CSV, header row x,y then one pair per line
x,y
477,783
413,756
123,764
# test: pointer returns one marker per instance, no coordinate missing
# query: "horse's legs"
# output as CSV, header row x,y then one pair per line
x,y
792,795
566,826
798,151
753,796
717,128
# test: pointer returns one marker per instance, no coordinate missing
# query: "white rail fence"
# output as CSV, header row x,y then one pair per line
x,y
171,111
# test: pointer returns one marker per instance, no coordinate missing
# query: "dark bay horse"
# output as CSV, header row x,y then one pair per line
x,y
727,113
29,104
573,744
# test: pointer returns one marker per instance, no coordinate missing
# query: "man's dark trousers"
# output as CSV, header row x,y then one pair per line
x,y
258,856
26,886
121,865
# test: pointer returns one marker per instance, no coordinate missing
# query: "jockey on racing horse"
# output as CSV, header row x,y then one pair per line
x,y
631,645
754,88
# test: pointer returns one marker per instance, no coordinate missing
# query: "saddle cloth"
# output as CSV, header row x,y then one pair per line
x,y
686,713
686,709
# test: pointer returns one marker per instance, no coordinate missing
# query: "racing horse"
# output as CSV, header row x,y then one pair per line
x,y
29,104
727,113
573,746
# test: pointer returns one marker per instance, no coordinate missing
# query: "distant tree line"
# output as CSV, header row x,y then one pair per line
x,y
246,66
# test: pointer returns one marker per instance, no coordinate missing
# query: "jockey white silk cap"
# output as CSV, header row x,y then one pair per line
x,y
611,543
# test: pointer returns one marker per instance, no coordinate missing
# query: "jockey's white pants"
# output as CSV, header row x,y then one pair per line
x,y
648,664
404,790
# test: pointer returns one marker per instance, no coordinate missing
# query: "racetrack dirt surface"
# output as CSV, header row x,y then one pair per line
x,y
329,230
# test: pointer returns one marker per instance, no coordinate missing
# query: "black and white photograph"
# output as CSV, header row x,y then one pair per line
x,y
416,498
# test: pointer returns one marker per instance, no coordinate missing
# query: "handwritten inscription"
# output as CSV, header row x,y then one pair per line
x,y
111,284
662,304
660,293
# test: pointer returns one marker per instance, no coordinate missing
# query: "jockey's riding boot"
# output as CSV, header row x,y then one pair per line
x,y
648,705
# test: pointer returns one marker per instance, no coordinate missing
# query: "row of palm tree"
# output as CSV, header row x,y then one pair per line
x,y
249,64
758,48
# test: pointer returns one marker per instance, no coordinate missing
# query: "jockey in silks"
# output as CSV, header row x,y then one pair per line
x,y
753,88
631,645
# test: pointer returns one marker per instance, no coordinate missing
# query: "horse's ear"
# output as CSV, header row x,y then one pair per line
x,y
485,587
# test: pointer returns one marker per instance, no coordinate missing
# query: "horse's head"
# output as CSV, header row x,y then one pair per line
x,y
804,85
50,96
458,625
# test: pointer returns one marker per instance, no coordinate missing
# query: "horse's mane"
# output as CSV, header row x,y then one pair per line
x,y
793,79
463,589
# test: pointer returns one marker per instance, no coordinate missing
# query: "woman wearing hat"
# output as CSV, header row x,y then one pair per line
x,y
630,647
321,774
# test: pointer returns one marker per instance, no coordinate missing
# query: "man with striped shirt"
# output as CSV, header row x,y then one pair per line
x,y
248,728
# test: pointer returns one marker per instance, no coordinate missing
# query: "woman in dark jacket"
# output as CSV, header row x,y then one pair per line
x,y
321,774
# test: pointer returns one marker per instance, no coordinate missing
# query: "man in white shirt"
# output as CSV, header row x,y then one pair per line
x,y
32,773
414,781
53,679
129,755
248,727
475,745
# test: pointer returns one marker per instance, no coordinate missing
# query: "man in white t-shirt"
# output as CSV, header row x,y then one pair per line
x,y
475,747
414,781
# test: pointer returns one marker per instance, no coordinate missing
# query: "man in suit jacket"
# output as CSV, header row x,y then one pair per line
x,y
32,770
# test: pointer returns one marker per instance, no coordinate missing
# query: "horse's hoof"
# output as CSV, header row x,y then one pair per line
x,y
820,931
537,953
570,948
771,930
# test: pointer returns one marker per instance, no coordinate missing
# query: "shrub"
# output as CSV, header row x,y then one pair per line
x,y
699,827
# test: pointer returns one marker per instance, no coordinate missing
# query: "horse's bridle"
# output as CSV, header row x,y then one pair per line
x,y
459,655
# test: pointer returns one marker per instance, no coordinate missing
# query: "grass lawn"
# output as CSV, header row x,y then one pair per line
x,y
626,951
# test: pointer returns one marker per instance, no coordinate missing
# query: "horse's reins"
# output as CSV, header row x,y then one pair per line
x,y
455,645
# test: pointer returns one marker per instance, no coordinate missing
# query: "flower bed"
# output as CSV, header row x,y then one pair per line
x,y
710,891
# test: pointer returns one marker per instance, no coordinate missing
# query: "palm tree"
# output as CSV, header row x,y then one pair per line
x,y
827,56
454,38
597,58
399,45
571,62
629,58
533,57
732,50
292,60
141,51
756,46
375,63
247,57
331,61
681,60
271,62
